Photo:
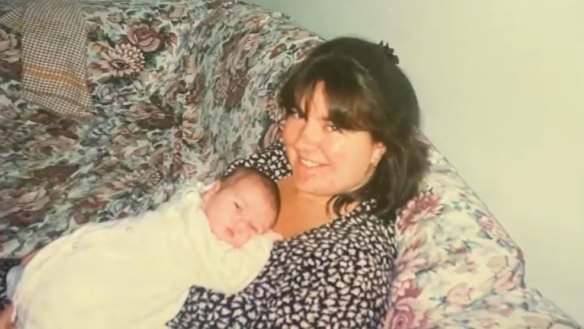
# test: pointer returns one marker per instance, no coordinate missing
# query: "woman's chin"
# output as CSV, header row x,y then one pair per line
x,y
310,173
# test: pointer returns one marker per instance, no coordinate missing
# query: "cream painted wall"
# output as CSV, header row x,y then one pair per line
x,y
501,84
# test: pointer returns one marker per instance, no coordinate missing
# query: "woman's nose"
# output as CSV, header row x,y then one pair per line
x,y
309,136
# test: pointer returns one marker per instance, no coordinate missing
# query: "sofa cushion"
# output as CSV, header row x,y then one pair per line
x,y
241,54
60,174
457,267
162,116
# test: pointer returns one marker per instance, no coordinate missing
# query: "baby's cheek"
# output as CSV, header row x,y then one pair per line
x,y
213,224
216,231
219,228
242,237
219,217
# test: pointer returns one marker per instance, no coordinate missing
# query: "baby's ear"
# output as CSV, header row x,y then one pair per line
x,y
210,190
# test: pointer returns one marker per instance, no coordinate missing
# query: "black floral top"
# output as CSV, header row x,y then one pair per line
x,y
335,276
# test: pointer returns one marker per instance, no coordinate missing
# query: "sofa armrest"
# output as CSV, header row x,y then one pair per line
x,y
456,263
519,308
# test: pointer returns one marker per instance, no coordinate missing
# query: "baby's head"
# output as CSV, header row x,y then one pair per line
x,y
240,205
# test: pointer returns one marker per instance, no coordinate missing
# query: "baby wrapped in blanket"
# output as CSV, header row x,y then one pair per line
x,y
136,272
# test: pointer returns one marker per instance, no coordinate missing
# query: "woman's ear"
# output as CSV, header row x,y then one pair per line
x,y
210,191
378,151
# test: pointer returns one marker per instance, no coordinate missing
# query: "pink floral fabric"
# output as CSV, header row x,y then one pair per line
x,y
457,267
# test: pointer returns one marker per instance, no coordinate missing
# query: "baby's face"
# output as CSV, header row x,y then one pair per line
x,y
238,211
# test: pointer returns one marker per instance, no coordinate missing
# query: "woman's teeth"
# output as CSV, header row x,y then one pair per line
x,y
308,163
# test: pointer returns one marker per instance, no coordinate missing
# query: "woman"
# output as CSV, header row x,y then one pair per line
x,y
350,158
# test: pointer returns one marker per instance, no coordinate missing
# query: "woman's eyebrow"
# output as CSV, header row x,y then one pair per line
x,y
299,110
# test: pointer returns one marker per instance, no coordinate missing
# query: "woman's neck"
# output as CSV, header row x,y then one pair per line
x,y
301,197
300,212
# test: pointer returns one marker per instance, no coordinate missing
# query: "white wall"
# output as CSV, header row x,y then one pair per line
x,y
501,84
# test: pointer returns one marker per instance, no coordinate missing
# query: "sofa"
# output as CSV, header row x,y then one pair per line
x,y
179,89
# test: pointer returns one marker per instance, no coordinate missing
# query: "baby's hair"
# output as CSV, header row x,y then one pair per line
x,y
265,181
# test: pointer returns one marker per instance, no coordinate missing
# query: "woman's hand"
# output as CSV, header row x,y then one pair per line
x,y
6,317
6,314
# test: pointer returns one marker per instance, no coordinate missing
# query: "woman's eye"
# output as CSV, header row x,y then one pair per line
x,y
294,114
237,206
332,127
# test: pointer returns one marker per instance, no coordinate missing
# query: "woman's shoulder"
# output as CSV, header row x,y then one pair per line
x,y
370,234
367,224
271,161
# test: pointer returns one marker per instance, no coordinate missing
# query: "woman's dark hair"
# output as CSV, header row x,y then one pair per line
x,y
366,91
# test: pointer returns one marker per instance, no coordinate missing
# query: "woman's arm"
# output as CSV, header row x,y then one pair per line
x,y
7,312
353,294
236,268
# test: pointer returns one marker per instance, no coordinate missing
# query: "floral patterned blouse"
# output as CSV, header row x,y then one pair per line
x,y
335,276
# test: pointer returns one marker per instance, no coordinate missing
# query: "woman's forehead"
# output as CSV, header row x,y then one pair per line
x,y
314,102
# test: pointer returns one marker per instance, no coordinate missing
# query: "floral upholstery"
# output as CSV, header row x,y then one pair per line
x,y
184,87
457,267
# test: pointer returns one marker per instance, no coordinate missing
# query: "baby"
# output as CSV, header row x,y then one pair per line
x,y
136,272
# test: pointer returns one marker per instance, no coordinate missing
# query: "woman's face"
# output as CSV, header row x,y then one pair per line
x,y
326,161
